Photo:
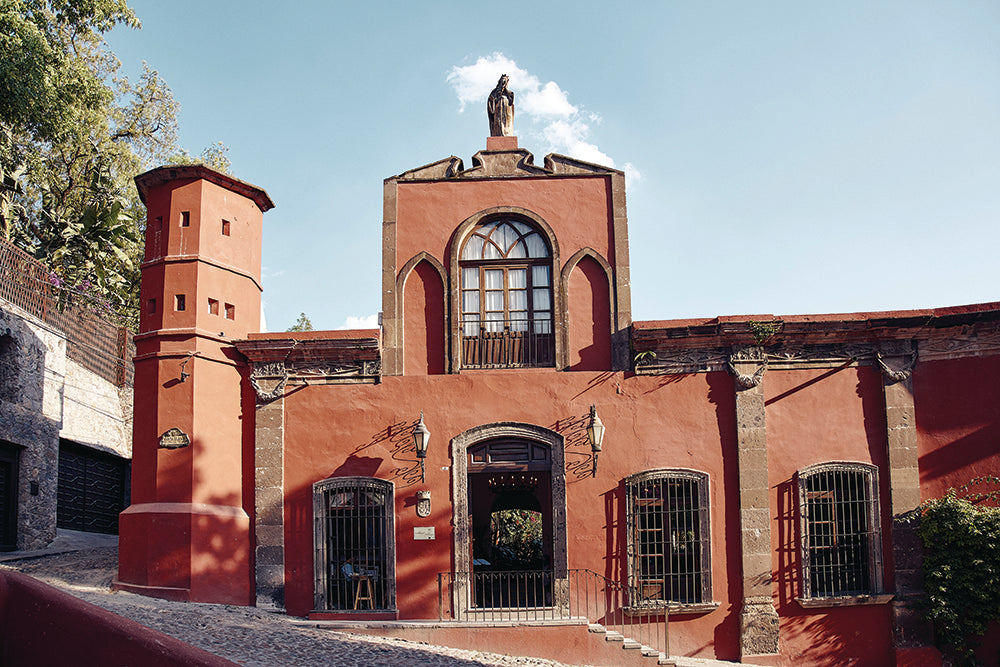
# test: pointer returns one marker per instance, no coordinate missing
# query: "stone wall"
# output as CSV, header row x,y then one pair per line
x,y
45,397
34,361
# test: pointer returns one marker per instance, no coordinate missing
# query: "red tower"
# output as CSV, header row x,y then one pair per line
x,y
187,534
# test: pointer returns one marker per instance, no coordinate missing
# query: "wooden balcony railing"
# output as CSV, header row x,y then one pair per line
x,y
508,344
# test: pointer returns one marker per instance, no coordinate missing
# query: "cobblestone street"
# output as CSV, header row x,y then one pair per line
x,y
245,635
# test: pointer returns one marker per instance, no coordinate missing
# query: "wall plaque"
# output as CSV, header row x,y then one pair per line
x,y
423,532
174,439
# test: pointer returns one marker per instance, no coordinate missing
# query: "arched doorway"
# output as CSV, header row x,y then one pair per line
x,y
510,517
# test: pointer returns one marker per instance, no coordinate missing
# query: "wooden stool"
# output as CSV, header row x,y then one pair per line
x,y
367,597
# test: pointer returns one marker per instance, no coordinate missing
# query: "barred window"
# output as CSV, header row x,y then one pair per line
x,y
355,545
841,531
669,544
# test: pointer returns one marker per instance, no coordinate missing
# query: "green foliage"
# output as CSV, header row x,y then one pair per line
x,y
215,156
73,134
517,539
644,358
961,567
301,324
762,331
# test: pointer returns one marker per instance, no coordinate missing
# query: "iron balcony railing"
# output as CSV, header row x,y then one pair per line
x,y
508,344
537,595
92,341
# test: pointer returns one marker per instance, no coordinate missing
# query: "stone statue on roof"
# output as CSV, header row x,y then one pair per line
x,y
500,110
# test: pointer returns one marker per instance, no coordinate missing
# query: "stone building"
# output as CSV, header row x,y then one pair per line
x,y
65,411
514,462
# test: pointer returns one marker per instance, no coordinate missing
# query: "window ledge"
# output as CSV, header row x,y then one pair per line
x,y
673,608
846,601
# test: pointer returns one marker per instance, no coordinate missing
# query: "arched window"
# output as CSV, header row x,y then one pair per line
x,y
506,301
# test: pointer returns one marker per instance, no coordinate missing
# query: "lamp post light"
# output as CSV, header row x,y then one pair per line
x,y
420,438
595,433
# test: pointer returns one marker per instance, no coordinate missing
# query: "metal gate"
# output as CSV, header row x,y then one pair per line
x,y
93,489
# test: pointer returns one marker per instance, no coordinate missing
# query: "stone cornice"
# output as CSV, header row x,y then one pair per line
x,y
686,346
321,356
511,163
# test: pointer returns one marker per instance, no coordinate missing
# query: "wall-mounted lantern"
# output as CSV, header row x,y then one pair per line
x,y
420,438
595,434
184,374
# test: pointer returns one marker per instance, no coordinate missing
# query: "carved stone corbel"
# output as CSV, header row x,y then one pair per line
x,y
269,370
893,375
744,355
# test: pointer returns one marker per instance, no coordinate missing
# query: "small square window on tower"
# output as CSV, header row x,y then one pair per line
x,y
151,306
157,223
225,228
185,218
179,302
213,306
230,311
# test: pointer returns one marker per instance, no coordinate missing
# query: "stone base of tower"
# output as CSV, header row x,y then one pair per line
x,y
185,551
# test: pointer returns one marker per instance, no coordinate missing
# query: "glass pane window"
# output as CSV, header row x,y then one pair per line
x,y
473,248
470,325
536,246
540,275
541,299
470,301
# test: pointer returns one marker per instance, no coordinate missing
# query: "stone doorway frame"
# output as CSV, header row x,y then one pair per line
x,y
460,504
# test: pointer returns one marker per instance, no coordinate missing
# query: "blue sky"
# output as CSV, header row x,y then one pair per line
x,y
783,157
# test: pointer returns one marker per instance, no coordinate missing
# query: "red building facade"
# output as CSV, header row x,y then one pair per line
x,y
748,483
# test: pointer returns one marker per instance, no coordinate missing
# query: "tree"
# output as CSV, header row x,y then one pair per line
x,y
301,324
73,134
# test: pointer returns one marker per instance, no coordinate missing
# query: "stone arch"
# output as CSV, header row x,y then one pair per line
x,y
461,538
435,340
455,244
567,271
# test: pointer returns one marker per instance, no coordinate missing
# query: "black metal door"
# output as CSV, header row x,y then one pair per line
x,y
8,496
93,489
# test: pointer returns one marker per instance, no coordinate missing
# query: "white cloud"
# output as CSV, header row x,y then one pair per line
x,y
544,108
362,322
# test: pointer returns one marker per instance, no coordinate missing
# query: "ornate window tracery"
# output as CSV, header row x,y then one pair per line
x,y
506,296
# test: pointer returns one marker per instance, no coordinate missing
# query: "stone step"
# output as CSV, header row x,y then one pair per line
x,y
630,644
613,636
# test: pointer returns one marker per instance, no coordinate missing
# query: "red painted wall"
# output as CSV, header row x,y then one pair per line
x,y
423,322
187,533
816,416
684,422
589,315
957,404
576,208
